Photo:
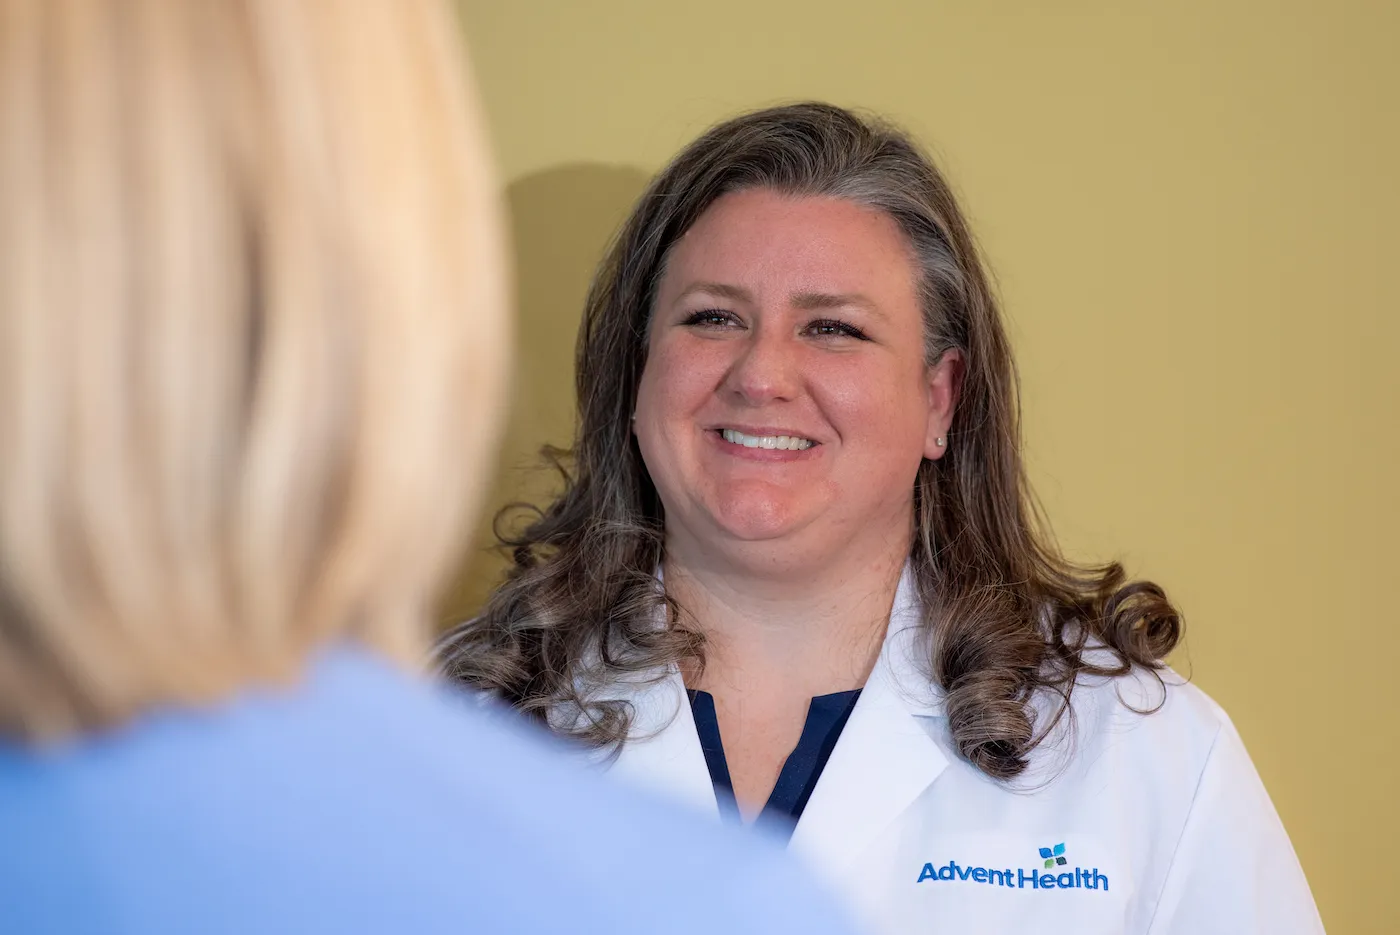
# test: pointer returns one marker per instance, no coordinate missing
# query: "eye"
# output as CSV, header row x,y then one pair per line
x,y
835,328
711,318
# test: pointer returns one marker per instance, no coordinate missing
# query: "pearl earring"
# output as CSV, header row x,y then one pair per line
x,y
938,441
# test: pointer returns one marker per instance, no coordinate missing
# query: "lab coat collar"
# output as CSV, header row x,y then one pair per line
x,y
662,750
886,756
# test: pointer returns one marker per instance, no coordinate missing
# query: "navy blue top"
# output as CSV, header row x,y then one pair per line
x,y
826,716
361,800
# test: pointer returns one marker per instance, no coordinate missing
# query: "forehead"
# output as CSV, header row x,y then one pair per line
x,y
764,241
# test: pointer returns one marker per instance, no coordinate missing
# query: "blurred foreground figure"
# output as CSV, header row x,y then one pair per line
x,y
252,333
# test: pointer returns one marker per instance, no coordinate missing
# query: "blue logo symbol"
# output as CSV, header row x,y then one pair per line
x,y
1053,855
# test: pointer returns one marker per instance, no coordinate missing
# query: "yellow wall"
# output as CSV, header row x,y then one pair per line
x,y
1192,209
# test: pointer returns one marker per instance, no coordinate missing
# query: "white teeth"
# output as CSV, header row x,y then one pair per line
x,y
778,442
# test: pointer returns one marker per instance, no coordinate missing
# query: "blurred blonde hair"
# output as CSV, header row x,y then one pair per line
x,y
251,342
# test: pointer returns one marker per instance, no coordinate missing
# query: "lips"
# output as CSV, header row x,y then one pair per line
x,y
775,442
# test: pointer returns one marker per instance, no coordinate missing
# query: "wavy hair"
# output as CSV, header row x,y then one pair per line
x,y
1007,615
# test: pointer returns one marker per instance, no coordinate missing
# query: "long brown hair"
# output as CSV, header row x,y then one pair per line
x,y
1007,615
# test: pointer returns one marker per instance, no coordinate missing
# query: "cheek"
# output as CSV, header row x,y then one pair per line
x,y
679,376
878,404
675,383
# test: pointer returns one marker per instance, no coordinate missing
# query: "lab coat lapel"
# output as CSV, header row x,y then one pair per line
x,y
663,750
885,757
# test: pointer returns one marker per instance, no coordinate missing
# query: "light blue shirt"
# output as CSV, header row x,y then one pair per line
x,y
363,801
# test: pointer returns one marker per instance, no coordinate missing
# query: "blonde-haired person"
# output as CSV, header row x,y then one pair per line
x,y
251,339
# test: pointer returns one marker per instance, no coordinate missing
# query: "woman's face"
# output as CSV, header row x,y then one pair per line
x,y
785,397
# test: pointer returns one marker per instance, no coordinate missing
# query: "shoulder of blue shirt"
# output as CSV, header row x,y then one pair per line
x,y
492,818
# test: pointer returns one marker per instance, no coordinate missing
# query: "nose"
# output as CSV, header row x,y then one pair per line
x,y
767,368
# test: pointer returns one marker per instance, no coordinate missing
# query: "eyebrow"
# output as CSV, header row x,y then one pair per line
x,y
811,301
807,301
719,290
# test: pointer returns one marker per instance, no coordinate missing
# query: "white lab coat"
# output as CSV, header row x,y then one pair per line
x,y
1155,825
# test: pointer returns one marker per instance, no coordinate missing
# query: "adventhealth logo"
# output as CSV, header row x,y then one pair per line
x,y
1077,879
1053,856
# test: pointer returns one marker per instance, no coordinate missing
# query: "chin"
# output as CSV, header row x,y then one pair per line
x,y
758,520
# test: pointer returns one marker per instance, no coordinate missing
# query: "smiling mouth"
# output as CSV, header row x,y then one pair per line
x,y
775,442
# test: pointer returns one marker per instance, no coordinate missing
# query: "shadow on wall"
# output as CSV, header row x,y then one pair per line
x,y
562,220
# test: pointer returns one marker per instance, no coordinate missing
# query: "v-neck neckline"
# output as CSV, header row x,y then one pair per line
x,y
826,717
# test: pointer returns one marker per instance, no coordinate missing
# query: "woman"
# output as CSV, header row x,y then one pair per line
x,y
250,271
796,577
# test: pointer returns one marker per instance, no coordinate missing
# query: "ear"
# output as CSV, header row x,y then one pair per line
x,y
943,384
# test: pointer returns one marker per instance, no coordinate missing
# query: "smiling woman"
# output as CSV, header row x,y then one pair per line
x,y
797,575
792,319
